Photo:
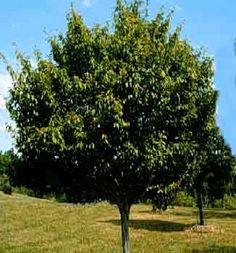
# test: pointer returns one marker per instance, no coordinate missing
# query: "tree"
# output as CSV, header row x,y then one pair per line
x,y
162,196
5,161
112,104
214,169
5,165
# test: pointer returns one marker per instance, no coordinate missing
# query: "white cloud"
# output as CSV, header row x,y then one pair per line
x,y
34,63
2,103
87,3
5,83
178,8
3,128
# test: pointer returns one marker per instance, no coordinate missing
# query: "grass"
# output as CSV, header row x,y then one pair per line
x,y
30,225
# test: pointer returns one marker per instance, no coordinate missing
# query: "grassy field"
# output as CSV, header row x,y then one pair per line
x,y
29,225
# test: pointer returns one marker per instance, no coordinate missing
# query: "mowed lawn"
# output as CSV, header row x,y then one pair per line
x,y
35,225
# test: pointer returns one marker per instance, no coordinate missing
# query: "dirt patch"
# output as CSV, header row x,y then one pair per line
x,y
205,229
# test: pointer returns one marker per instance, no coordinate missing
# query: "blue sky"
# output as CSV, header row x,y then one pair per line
x,y
207,23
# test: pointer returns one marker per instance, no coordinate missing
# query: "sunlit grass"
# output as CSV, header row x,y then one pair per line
x,y
29,225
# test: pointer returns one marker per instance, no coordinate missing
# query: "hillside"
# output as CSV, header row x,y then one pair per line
x,y
30,225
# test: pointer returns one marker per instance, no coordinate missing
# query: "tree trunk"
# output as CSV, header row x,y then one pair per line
x,y
154,209
124,215
200,206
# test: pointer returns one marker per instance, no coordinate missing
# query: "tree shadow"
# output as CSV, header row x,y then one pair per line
x,y
216,249
154,225
151,212
221,214
209,213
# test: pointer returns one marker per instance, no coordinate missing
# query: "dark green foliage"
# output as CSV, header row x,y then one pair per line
x,y
46,176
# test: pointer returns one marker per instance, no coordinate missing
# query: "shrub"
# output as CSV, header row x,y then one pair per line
x,y
183,199
5,185
228,202
23,190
